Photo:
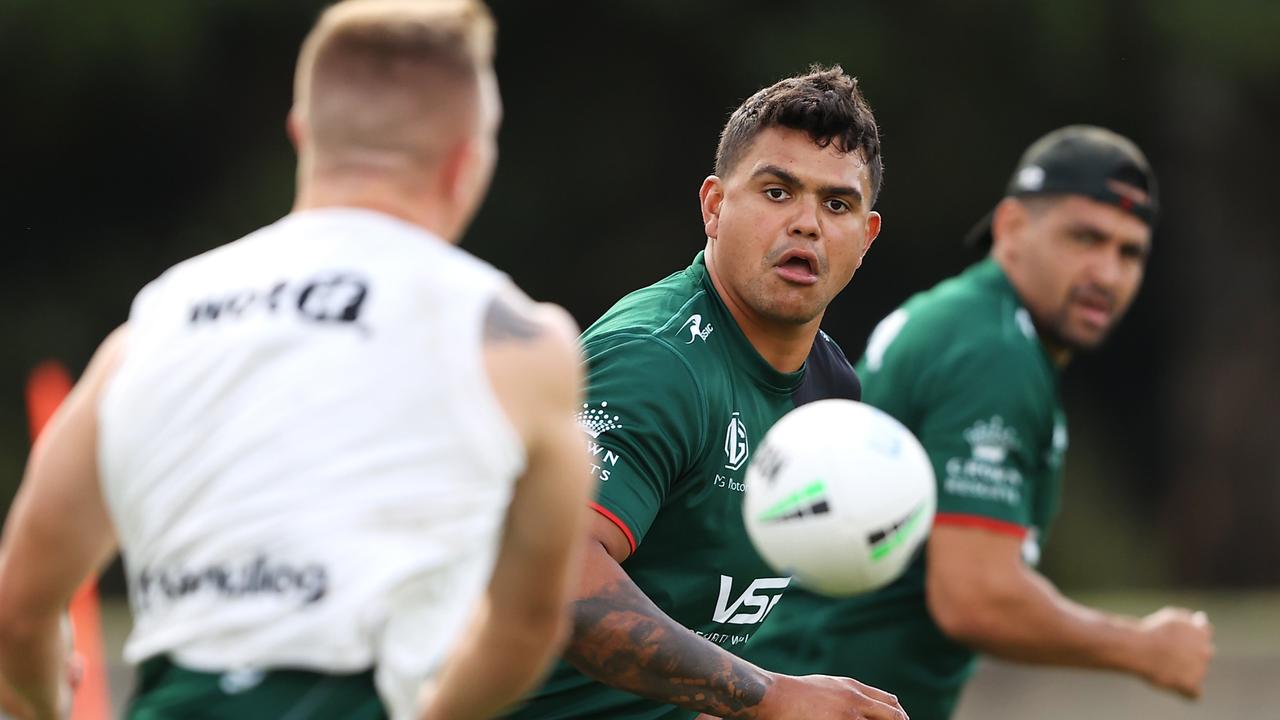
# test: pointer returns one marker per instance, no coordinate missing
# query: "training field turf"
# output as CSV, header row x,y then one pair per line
x,y
1244,679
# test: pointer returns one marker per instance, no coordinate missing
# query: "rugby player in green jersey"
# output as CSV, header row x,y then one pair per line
x,y
971,367
684,378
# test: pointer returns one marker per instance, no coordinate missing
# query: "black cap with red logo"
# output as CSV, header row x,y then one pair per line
x,y
1082,160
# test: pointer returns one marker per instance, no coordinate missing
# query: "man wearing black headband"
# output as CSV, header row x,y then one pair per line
x,y
971,367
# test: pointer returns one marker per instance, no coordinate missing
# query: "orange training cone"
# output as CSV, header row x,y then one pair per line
x,y
47,386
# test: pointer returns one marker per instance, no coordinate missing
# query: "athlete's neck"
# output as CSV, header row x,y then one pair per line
x,y
381,194
1059,353
785,346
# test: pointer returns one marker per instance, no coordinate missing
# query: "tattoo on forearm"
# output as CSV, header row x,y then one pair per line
x,y
504,321
622,639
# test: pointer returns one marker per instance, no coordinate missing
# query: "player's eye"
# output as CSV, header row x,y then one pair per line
x,y
837,205
1086,236
776,193
1133,251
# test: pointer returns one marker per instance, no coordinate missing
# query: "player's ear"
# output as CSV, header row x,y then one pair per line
x,y
1007,222
293,127
873,232
456,168
710,196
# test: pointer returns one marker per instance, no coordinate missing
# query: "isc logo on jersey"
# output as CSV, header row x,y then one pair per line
x,y
752,605
695,328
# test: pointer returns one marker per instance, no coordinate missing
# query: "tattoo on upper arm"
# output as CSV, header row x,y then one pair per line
x,y
503,320
622,639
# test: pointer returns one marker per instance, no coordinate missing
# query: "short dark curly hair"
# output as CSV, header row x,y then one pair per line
x,y
825,103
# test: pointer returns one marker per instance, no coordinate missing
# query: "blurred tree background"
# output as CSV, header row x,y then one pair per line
x,y
138,133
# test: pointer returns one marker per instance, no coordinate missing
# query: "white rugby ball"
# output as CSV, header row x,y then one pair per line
x,y
840,495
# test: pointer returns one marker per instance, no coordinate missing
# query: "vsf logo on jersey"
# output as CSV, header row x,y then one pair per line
x,y
696,331
736,448
752,605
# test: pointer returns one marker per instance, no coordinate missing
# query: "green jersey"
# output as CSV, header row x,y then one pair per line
x,y
677,399
962,367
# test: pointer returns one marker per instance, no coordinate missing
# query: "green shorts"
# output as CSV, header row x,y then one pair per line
x,y
167,691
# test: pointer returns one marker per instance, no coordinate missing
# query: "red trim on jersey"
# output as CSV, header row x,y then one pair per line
x,y
981,521
631,539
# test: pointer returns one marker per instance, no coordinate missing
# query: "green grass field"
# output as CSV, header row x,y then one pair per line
x,y
1244,680
1243,683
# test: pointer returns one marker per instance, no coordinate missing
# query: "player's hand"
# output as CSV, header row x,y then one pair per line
x,y
1179,648
823,697
17,708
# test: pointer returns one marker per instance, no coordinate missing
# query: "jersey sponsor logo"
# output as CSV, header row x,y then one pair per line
x,y
983,482
603,460
991,440
259,576
728,481
723,639
695,328
752,605
331,298
736,448
597,421
984,475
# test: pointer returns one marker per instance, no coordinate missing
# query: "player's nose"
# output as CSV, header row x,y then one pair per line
x,y
804,220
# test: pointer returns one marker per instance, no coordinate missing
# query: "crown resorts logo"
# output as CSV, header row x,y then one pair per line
x,y
597,421
736,449
991,440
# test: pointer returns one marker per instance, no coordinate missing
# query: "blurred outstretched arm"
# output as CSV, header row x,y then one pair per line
x,y
534,364
58,533
982,594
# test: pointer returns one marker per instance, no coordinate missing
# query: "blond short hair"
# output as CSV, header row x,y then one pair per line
x,y
390,75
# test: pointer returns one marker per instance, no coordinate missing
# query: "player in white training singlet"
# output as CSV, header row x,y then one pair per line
x,y
315,446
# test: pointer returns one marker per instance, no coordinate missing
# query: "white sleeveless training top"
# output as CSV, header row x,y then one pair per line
x,y
302,454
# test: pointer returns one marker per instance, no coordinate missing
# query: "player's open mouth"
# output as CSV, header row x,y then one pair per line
x,y
798,266
1095,305
1095,313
